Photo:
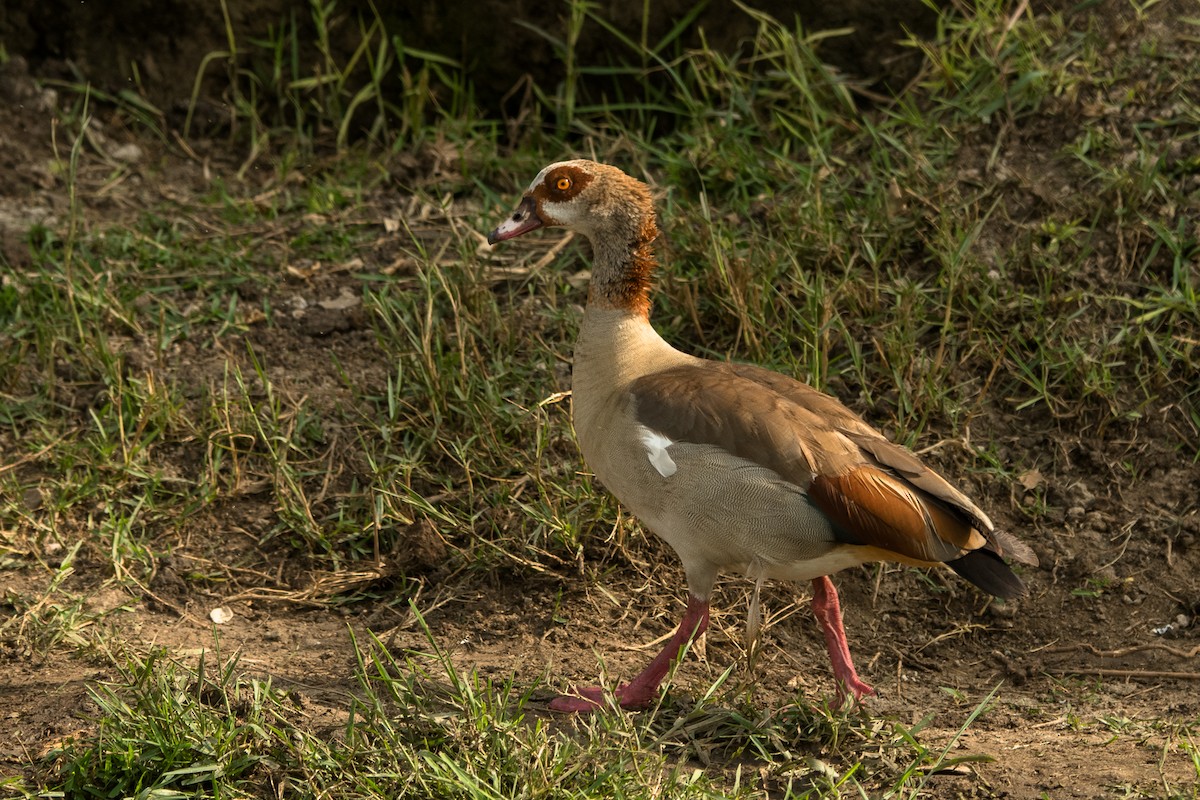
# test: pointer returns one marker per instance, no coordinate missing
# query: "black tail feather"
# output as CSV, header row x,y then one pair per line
x,y
988,571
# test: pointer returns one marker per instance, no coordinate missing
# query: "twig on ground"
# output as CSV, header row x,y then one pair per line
x,y
1126,673
1124,651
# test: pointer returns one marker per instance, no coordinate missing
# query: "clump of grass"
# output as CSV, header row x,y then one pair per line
x,y
167,730
990,58
293,84
418,726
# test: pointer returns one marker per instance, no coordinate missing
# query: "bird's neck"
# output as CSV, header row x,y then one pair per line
x,y
615,347
617,344
623,267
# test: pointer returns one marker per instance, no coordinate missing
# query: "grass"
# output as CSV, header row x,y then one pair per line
x,y
177,405
418,726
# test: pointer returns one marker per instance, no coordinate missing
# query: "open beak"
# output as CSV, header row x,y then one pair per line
x,y
523,220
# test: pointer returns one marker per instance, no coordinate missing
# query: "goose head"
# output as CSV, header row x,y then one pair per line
x,y
596,200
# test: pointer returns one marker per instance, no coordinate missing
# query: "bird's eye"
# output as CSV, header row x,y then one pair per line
x,y
563,183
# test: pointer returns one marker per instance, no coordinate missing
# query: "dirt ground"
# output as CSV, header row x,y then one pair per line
x,y
1107,641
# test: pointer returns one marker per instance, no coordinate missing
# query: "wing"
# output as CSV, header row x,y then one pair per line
x,y
883,452
876,493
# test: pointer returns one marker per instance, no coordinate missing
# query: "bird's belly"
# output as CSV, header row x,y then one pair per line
x,y
836,560
725,512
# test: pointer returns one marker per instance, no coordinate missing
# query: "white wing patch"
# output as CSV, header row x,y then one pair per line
x,y
656,450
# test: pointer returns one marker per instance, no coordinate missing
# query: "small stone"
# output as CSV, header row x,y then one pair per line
x,y
822,768
128,153
32,498
347,299
1002,610
1078,494
47,100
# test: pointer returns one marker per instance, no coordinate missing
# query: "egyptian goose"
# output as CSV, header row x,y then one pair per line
x,y
735,466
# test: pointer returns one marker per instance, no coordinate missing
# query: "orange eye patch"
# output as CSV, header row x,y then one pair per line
x,y
563,183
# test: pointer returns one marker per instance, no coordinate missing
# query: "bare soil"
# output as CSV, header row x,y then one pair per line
x,y
1107,638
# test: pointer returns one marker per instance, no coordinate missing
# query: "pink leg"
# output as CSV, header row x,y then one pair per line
x,y
829,613
640,691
